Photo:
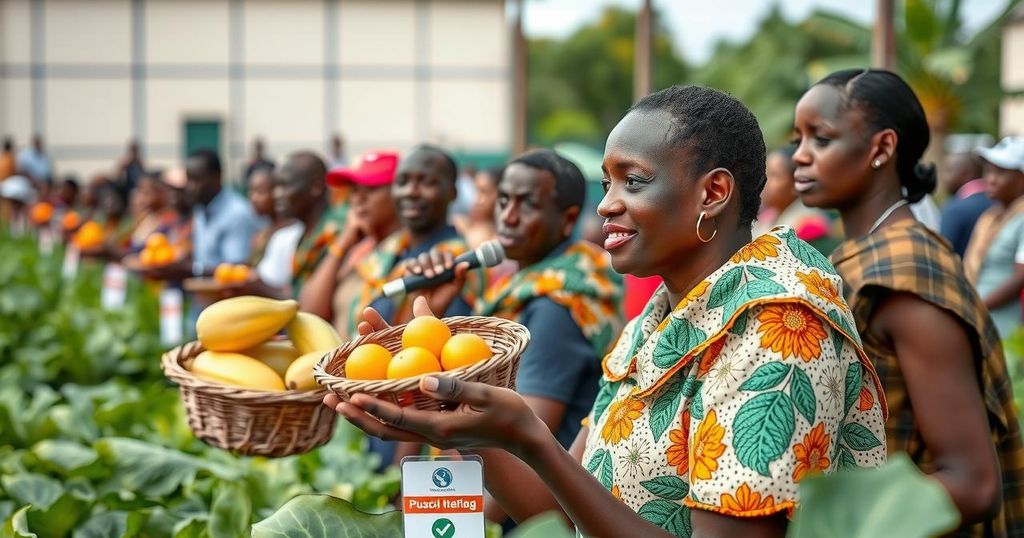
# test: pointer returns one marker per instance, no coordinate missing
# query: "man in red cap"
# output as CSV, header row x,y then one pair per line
x,y
336,283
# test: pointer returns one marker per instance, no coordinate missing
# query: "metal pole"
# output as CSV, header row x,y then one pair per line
x,y
519,74
883,39
643,52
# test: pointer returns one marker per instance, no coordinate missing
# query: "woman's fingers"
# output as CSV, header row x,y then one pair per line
x,y
373,426
449,389
374,320
421,307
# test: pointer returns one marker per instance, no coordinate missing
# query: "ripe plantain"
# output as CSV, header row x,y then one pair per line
x,y
239,323
277,354
236,369
311,333
300,373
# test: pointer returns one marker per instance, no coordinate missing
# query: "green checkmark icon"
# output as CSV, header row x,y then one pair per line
x,y
443,528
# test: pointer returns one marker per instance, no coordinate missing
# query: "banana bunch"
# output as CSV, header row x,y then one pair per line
x,y
238,336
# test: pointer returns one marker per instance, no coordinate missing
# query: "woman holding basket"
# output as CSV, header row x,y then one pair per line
x,y
743,375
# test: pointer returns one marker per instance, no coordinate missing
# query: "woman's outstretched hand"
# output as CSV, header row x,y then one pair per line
x,y
485,416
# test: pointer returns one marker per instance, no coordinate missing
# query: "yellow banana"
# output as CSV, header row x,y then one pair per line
x,y
239,323
300,373
310,333
277,354
236,369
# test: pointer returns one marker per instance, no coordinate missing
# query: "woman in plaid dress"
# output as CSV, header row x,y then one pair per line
x,y
860,134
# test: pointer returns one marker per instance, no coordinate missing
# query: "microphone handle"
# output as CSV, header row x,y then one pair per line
x,y
418,282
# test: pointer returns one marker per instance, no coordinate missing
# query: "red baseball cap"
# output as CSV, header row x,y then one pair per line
x,y
375,169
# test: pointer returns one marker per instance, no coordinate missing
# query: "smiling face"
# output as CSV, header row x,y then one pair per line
x,y
833,159
529,222
422,190
651,203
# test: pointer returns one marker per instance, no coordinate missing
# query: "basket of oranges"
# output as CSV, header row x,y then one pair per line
x,y
226,276
388,364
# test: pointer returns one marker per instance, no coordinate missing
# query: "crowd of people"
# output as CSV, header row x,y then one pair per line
x,y
756,362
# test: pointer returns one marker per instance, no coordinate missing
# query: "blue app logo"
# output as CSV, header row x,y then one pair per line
x,y
442,477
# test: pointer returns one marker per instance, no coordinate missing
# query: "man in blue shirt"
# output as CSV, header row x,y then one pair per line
x,y
967,200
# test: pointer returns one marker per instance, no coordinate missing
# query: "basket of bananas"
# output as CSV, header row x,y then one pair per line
x,y
388,364
247,391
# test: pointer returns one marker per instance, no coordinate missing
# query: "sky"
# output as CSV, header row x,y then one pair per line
x,y
696,25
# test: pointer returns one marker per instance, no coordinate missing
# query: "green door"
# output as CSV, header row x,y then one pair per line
x,y
202,134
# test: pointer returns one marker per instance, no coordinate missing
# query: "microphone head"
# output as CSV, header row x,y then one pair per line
x,y
490,253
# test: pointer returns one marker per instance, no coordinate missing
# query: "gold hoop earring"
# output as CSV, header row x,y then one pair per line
x,y
700,220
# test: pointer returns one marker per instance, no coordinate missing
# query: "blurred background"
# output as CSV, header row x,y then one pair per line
x,y
485,78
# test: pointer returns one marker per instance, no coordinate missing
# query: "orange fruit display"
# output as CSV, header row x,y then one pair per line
x,y
368,361
413,361
90,235
163,255
464,349
222,274
240,273
156,240
41,213
70,221
426,332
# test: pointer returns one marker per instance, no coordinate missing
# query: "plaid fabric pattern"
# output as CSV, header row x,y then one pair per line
x,y
908,257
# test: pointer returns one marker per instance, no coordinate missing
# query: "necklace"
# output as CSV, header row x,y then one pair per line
x,y
900,203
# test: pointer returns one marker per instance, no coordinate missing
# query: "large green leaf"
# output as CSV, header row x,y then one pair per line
x,y
547,525
802,392
16,526
676,341
64,457
665,408
40,491
117,524
859,438
600,465
896,500
851,386
323,516
604,398
766,376
669,515
668,487
725,287
756,289
153,471
808,254
231,512
763,430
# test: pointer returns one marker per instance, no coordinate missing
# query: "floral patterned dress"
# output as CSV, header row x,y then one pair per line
x,y
755,380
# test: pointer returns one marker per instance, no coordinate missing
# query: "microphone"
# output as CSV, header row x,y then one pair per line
x,y
488,254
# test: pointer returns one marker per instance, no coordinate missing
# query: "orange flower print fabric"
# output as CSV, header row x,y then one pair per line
x,y
753,382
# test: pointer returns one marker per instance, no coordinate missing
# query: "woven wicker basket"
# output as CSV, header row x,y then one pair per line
x,y
246,421
507,339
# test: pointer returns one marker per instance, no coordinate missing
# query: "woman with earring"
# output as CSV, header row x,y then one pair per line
x,y
859,136
742,376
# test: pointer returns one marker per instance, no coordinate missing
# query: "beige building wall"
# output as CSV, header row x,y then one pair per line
x,y
91,75
1011,114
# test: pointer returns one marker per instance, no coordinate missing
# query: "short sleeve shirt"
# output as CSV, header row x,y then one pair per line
x,y
1004,253
559,364
754,381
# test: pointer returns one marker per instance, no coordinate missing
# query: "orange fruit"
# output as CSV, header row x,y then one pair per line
x,y
163,255
464,349
146,257
156,240
70,221
368,361
41,213
89,235
222,274
411,362
239,273
427,332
